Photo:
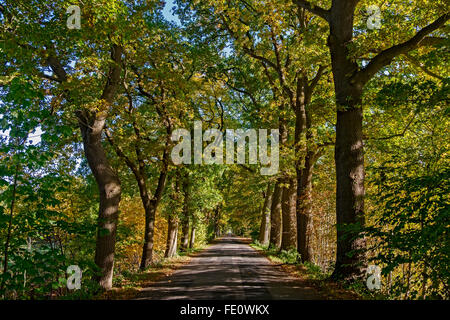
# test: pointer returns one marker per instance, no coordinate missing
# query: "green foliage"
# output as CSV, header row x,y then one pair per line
x,y
231,64
413,230
409,190
290,256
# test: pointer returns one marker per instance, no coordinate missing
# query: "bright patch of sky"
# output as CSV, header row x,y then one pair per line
x,y
168,12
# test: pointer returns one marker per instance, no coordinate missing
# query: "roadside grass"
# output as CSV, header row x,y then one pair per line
x,y
127,285
314,276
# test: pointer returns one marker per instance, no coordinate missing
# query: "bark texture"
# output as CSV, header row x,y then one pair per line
x,y
110,193
185,216
173,220
150,207
91,125
349,154
289,221
304,210
287,195
172,236
264,231
275,217
192,237
305,147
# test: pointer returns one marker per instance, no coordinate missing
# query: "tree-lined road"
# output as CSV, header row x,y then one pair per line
x,y
229,269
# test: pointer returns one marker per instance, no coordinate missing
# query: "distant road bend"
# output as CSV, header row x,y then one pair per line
x,y
229,269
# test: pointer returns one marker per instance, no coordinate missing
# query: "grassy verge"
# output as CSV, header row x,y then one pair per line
x,y
128,284
312,275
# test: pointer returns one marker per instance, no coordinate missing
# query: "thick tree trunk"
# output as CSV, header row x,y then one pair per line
x,y
185,217
172,236
150,207
173,220
110,192
304,213
264,230
192,238
304,169
91,126
349,155
289,221
287,196
147,248
185,233
217,232
275,216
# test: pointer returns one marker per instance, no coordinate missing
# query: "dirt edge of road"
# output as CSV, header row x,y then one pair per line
x,y
329,289
141,279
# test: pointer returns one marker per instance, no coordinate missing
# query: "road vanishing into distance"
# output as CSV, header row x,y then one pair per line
x,y
229,269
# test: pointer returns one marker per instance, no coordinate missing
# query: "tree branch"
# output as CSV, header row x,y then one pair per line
x,y
325,14
420,65
401,134
313,83
120,153
113,80
57,68
385,57
48,77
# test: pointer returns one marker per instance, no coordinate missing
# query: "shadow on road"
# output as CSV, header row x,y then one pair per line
x,y
229,269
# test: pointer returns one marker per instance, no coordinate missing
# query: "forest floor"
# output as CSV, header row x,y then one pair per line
x,y
312,276
130,284
228,269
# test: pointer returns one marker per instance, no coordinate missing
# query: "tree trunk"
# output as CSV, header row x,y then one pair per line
x,y
217,232
288,195
150,207
349,156
149,203
147,248
91,126
172,235
185,216
304,169
110,192
350,219
304,214
275,216
264,230
349,81
289,209
192,238
185,233
172,221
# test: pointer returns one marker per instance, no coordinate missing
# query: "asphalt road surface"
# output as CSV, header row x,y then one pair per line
x,y
229,269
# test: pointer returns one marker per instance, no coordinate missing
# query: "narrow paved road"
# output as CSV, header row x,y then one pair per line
x,y
229,269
